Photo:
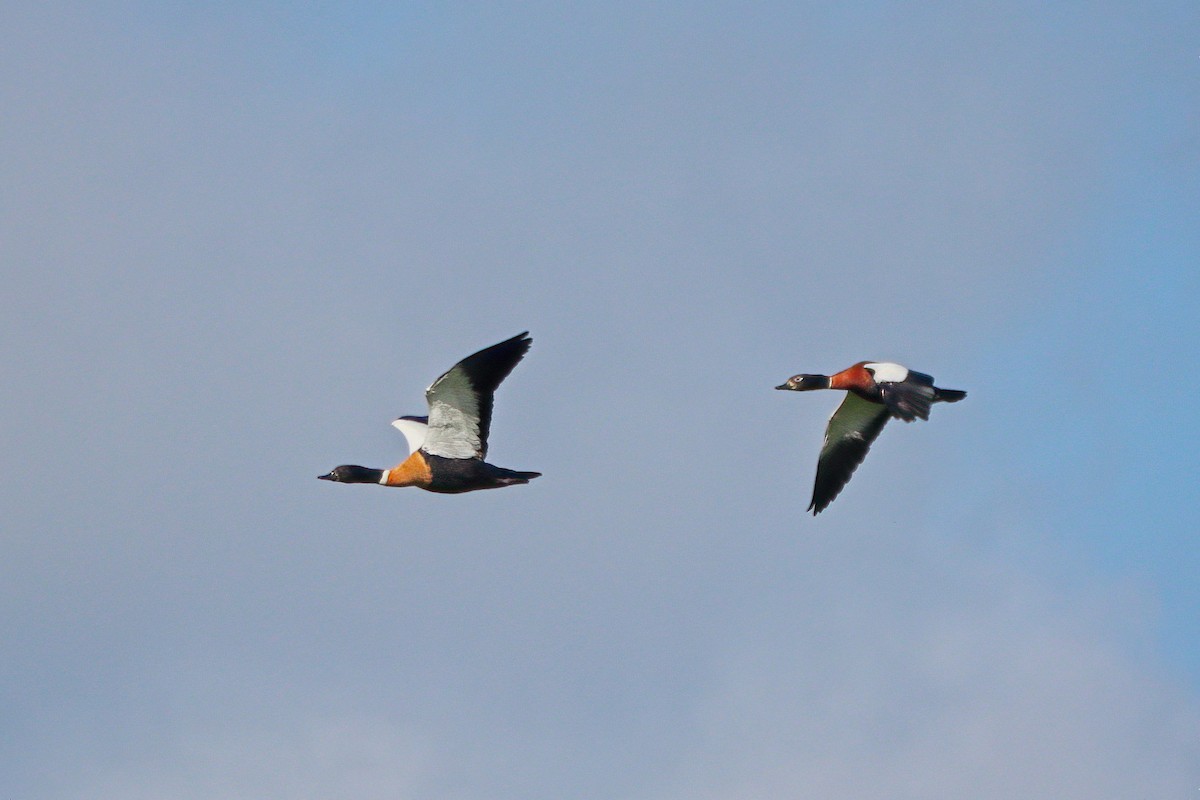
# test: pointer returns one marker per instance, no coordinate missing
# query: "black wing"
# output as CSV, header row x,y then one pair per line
x,y
910,398
848,437
460,401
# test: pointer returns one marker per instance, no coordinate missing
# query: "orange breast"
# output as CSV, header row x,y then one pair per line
x,y
855,377
412,471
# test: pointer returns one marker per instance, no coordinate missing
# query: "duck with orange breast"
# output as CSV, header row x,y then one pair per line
x,y
448,447
876,391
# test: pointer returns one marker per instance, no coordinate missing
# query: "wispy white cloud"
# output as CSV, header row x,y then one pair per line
x,y
341,757
993,692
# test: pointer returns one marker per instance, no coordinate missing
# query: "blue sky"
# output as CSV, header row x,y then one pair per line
x,y
240,239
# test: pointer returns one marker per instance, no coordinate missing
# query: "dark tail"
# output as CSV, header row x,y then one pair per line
x,y
947,395
511,477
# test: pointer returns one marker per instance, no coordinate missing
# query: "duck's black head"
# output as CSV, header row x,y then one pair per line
x,y
352,473
805,383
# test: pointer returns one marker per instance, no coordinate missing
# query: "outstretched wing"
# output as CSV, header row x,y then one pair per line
x,y
910,398
460,401
848,437
414,429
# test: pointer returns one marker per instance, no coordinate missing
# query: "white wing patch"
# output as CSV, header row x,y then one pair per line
x,y
453,417
887,372
414,432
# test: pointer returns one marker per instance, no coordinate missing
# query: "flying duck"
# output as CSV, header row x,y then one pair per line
x,y
875,391
447,447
